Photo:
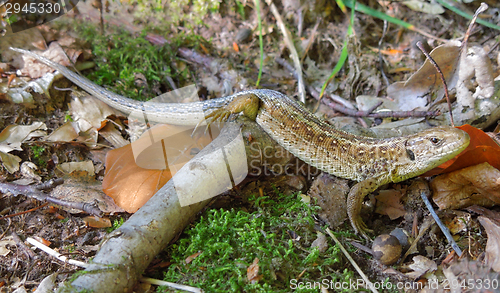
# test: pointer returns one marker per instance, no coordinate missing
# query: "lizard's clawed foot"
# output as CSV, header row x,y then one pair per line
x,y
247,103
218,115
361,228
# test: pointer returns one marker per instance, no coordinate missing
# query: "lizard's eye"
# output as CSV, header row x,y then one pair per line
x,y
435,140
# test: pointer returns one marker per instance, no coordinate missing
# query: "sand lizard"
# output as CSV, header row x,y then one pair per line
x,y
371,162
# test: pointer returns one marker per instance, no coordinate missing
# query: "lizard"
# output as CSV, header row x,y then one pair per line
x,y
371,162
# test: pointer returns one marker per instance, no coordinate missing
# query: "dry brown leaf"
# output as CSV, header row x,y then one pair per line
x,y
459,223
10,162
135,172
482,211
7,240
11,139
425,7
492,228
89,112
65,132
113,135
84,189
389,203
28,171
414,92
473,185
170,141
190,258
96,222
420,266
35,69
474,62
69,167
28,39
253,272
42,240
128,184
4,98
12,136
320,242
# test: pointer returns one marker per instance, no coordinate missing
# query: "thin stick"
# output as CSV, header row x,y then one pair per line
x,y
55,254
444,229
24,212
293,52
170,284
22,246
311,39
6,229
354,264
480,10
81,264
441,75
261,42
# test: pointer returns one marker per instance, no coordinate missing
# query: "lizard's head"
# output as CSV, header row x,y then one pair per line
x,y
432,147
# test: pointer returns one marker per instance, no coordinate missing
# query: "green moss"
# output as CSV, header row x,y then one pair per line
x,y
279,233
130,65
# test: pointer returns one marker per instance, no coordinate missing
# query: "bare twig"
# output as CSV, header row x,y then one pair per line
x,y
23,212
380,58
48,185
311,39
385,114
81,264
90,208
424,194
351,260
170,284
441,75
293,52
54,253
35,191
480,10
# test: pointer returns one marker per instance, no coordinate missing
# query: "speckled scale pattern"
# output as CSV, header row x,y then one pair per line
x,y
349,156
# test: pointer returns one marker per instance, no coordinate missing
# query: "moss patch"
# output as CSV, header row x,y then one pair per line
x,y
279,233
131,66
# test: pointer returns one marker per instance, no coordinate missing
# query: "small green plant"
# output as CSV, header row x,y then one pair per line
x,y
116,224
38,158
37,151
70,248
68,117
240,8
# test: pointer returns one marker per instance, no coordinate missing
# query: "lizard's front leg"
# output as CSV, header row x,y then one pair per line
x,y
247,103
355,201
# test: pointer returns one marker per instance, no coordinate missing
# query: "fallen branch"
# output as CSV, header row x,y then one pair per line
x,y
37,192
126,252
